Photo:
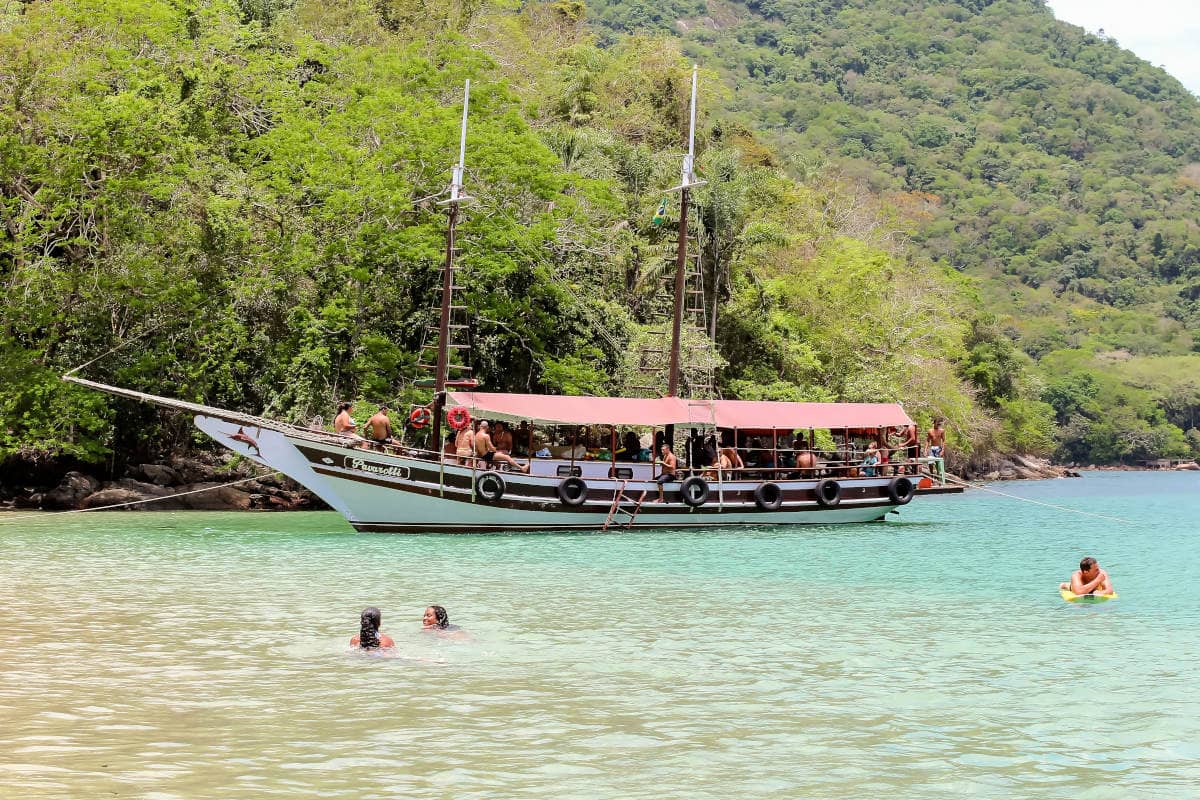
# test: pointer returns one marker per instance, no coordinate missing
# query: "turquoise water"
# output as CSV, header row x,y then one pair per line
x,y
199,655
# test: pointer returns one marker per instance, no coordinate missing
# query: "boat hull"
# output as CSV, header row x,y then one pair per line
x,y
394,492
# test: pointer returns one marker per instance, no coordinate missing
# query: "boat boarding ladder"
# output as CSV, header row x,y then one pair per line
x,y
620,500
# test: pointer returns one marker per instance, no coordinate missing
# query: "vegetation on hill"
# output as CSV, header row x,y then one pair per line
x,y
242,199
1060,170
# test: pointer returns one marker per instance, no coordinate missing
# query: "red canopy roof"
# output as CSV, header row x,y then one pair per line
x,y
578,410
741,414
770,414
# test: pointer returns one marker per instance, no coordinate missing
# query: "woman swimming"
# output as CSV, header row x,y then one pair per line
x,y
436,620
369,636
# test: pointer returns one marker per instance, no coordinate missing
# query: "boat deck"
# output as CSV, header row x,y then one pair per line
x,y
947,489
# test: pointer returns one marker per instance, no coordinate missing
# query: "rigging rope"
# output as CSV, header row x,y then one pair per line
x,y
118,347
981,487
44,514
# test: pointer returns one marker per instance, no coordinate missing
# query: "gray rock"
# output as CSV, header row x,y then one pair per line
x,y
224,498
70,492
31,500
191,470
127,490
114,496
143,488
158,474
273,481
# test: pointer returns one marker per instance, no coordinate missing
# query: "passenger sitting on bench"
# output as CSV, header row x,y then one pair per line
x,y
487,451
806,462
379,427
630,447
730,461
669,463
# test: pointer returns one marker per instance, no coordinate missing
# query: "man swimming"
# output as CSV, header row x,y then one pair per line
x,y
1089,579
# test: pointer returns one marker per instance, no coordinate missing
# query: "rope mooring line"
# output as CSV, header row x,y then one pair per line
x,y
983,488
44,514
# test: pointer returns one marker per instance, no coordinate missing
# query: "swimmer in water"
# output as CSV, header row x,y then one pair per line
x,y
369,637
436,620
1089,579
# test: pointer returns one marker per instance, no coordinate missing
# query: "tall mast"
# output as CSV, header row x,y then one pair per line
x,y
688,180
443,353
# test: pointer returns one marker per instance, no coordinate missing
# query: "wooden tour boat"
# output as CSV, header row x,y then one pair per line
x,y
395,488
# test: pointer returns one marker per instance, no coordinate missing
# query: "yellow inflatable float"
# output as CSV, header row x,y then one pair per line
x,y
1071,597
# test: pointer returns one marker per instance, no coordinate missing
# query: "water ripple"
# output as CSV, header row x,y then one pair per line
x,y
205,656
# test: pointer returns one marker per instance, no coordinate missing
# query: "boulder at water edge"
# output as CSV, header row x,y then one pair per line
x,y
70,492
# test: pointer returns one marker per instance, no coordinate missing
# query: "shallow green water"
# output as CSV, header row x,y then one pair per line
x,y
204,656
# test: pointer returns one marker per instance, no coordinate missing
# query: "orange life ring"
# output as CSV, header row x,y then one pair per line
x,y
458,417
420,417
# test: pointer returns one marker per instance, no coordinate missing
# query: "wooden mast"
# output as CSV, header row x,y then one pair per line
x,y
688,180
443,353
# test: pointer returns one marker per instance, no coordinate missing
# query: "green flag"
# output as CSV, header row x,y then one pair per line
x,y
660,216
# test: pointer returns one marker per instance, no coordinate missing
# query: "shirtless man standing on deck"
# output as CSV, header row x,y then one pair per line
x,y
937,440
464,445
669,463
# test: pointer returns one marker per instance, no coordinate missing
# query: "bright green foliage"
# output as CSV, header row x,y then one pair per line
x,y
1028,426
1048,162
249,202
1110,407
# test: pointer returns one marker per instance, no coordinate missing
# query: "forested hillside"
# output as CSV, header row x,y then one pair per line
x,y
241,198
1061,170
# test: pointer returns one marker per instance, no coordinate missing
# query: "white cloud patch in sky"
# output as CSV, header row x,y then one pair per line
x,y
1164,32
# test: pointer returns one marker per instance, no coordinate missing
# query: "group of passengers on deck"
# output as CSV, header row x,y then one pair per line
x,y
490,444
497,444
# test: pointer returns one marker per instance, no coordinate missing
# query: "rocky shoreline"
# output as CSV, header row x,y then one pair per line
x,y
1016,467
1009,467
198,482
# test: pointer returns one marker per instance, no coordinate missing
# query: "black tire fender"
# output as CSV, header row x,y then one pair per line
x,y
768,496
572,491
901,490
829,493
489,487
694,491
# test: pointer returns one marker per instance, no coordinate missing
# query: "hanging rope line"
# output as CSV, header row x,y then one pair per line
x,y
112,350
983,488
44,514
